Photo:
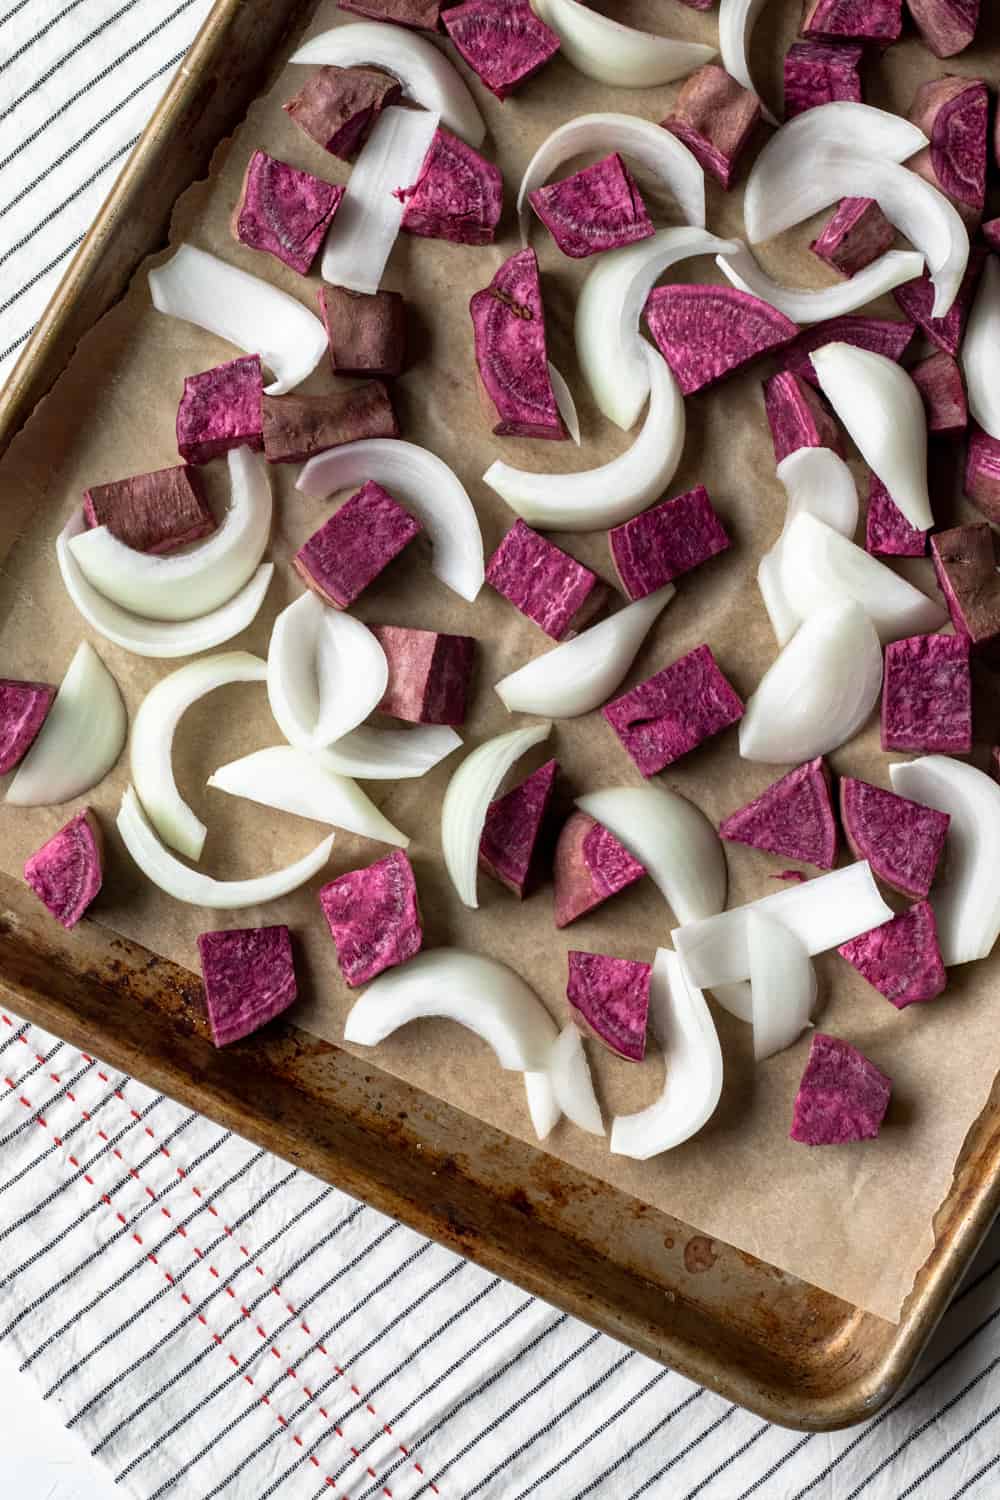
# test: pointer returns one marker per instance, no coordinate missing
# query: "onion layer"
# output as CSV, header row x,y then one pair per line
x,y
818,483
782,982
572,1084
981,351
737,19
80,740
296,782
390,754
326,672
543,1107
804,306
565,403
609,52
466,803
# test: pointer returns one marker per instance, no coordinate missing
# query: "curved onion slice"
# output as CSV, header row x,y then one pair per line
x,y
184,884
565,403
681,1020
244,310
296,782
967,900
390,754
782,982
737,19
543,1107
737,998
818,483
981,351
818,693
188,584
426,73
609,345
581,674
884,413
802,306
80,740
619,489
609,52
672,838
478,992
425,485
572,1084
467,799
655,149
152,746
326,672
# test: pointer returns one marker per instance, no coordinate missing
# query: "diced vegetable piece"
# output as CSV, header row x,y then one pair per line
x,y
609,998
881,335
508,322
509,845
65,873
297,427
902,840
366,330
698,4
887,531
947,26
982,473
798,416
221,410
916,298
852,20
349,550
927,695
673,712
598,208
715,117
458,194
821,73
374,917
952,112
966,567
939,380
429,674
793,817
857,233
249,976
23,707
706,332
660,544
284,211
338,106
151,512
423,15
555,591
503,41
590,865
842,1096
902,960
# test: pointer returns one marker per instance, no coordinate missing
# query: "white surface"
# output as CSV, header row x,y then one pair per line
x,y
39,1459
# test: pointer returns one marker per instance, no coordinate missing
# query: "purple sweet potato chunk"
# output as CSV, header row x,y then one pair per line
x,y
966,567
927,695
366,331
821,73
953,114
939,380
852,20
798,416
715,117
706,332
508,323
503,41
982,473
842,1096
555,591
901,959
65,873
857,233
887,531
23,709
457,196
341,559
598,208
508,849
151,512
337,107
609,998
916,298
885,336
429,674
249,976
296,427
947,26
902,840
221,409
662,543
374,917
669,714
422,15
590,865
990,231
283,211
793,817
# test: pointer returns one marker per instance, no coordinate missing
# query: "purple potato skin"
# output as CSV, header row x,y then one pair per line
x,y
337,107
939,381
590,865
155,512
947,26
429,674
297,427
715,117
982,473
366,331
966,567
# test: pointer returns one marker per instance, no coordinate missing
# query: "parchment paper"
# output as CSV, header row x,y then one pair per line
x,y
855,1220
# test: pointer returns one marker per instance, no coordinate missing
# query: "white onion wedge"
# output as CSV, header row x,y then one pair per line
x,y
609,52
244,310
580,674
467,799
609,346
885,415
477,992
966,900
543,1107
152,745
427,75
565,403
818,693
572,1084
185,585
782,982
326,672
736,998
815,306
817,483
390,754
981,351
684,1027
191,886
80,740
604,497
822,913
737,19
294,781
426,486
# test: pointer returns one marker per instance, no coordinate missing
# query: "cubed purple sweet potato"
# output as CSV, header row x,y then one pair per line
x,y
887,531
857,233
284,211
296,427
916,298
886,336
966,566
792,817
366,331
927,695
939,380
990,231
65,873
458,194
374,917
902,840
508,324
947,26
249,976
429,674
982,473
23,710
609,999
337,107
953,114
420,15
155,512
509,847
590,865
706,332
901,959
598,208
842,1095
852,20
662,543
503,41
555,591
715,117
221,409
674,711
798,416
341,559
821,73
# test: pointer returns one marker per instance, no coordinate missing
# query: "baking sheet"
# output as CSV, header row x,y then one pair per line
x,y
856,1221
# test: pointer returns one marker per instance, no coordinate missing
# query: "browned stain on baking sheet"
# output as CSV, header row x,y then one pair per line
x,y
699,1254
